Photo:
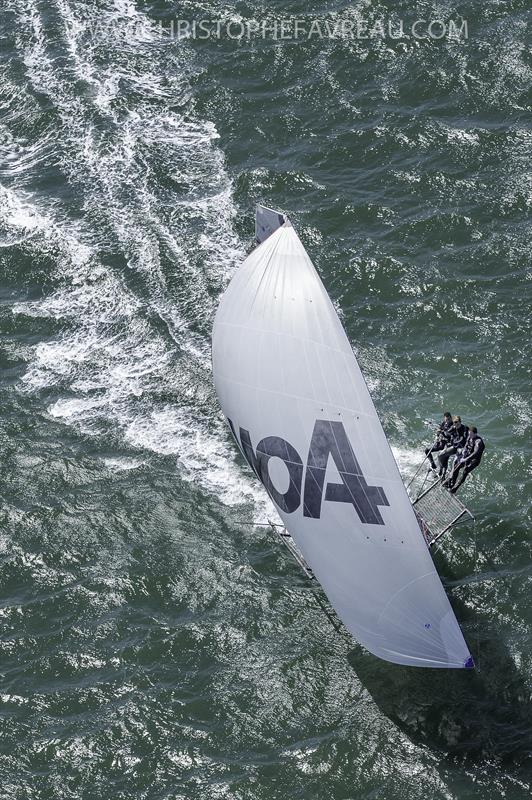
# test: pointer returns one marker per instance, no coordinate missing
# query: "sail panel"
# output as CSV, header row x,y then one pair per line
x,y
266,222
289,383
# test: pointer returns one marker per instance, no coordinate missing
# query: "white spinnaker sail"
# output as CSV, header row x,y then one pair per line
x,y
290,385
266,222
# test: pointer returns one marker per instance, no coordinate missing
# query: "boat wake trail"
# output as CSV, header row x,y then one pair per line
x,y
137,230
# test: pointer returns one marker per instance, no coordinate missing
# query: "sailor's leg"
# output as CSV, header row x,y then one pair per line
x,y
451,480
456,486
442,461
469,467
444,457
429,451
457,466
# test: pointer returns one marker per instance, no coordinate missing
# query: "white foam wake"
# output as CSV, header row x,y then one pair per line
x,y
139,271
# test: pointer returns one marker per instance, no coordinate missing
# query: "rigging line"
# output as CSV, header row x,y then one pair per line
x,y
416,473
316,589
475,573
424,481
338,626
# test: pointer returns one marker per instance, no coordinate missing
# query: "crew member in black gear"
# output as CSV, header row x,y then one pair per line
x,y
468,460
457,440
442,437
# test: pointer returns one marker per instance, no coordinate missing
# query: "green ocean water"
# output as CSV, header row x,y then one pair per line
x,y
154,642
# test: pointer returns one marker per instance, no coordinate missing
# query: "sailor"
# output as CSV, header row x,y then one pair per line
x,y
468,460
457,440
442,437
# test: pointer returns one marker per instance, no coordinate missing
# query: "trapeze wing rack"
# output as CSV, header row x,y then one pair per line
x,y
438,511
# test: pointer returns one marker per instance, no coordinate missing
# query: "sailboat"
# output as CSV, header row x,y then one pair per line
x,y
299,409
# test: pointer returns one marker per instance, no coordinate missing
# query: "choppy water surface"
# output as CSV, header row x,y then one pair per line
x,y
153,643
